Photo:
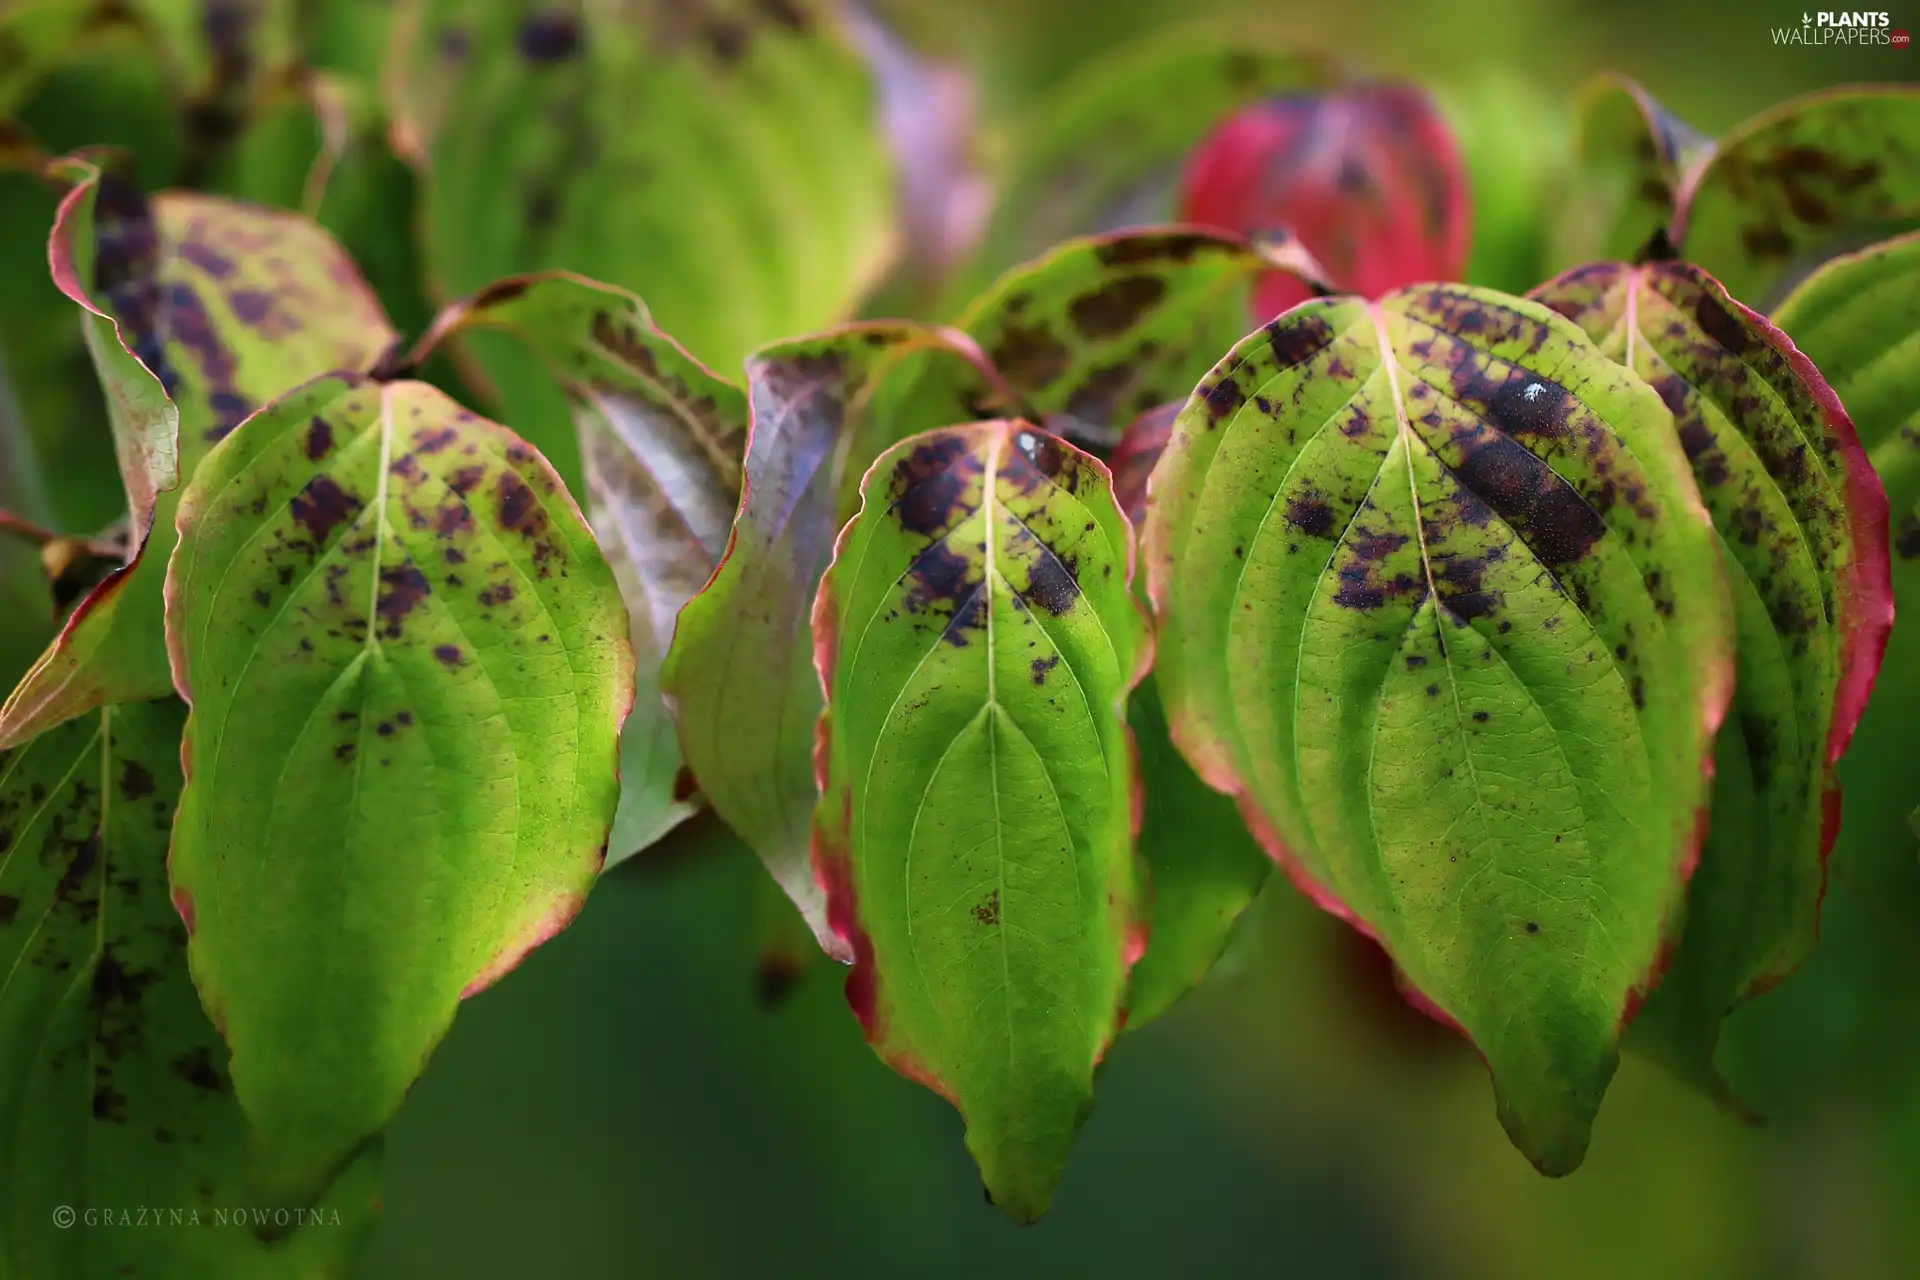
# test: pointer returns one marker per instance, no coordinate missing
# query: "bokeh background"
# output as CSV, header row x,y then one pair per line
x,y
639,1099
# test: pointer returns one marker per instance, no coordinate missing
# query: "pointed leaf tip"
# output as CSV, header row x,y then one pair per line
x,y
1438,599
979,639
408,664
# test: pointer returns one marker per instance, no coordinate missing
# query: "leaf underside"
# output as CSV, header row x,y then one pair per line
x,y
1438,600
740,670
1776,464
408,665
1633,153
978,637
661,439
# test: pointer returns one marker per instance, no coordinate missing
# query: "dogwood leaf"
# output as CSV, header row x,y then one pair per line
x,y
1796,178
1438,600
114,1090
1802,525
1858,319
408,665
977,637
1633,153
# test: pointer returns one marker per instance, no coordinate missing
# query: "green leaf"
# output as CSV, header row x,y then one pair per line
x,y
1632,155
978,638
662,438
114,1093
1438,600
1797,178
1802,525
1204,867
408,665
1858,319
688,152
249,302
1105,147
740,670
1098,330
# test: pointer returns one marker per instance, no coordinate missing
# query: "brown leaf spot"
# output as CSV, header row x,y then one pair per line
x,y
1031,358
1041,666
548,37
401,588
135,782
518,510
319,439
1134,250
321,507
1906,537
9,909
1548,513
1116,306
1051,584
988,911
448,655
928,484
1310,514
196,1068
1297,339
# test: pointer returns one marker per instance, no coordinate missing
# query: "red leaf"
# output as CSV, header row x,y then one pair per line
x,y
1368,179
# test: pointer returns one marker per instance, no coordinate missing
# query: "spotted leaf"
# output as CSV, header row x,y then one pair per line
x,y
1104,149
977,638
686,150
1096,331
1368,177
408,664
114,1093
740,670
1802,525
662,437
248,303
1799,178
1438,601
1858,319
1632,154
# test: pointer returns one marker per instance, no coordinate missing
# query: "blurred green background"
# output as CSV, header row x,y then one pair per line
x,y
629,1103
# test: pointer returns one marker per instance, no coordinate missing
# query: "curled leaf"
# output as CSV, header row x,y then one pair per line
x,y
1439,603
114,1090
1633,153
247,303
1802,525
977,639
1368,178
408,665
739,673
661,437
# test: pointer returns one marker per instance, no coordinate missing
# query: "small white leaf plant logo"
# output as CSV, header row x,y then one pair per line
x,y
1842,28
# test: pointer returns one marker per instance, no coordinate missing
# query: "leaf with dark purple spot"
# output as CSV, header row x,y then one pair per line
x,y
113,1083
1802,525
401,759
662,438
1858,319
1101,329
1800,179
740,670
247,303
977,636
1438,602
